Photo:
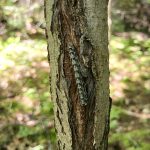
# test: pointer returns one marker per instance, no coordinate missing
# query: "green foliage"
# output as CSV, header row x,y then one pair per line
x,y
116,113
125,4
132,140
25,61
129,61
46,108
130,48
118,25
53,136
25,131
26,108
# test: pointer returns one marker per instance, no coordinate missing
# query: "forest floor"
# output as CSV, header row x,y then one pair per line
x,y
26,110
130,91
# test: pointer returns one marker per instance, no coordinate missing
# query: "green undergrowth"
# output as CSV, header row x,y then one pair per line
x,y
125,135
26,108
24,94
133,140
130,91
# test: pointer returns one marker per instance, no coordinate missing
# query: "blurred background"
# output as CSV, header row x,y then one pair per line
x,y
26,109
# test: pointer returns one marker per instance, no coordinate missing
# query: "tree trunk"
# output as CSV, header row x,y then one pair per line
x,y
77,33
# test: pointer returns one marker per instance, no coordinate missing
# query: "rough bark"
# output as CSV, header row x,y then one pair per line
x,y
81,24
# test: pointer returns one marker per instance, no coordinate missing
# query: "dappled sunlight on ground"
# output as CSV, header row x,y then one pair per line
x,y
25,100
130,91
24,93
26,109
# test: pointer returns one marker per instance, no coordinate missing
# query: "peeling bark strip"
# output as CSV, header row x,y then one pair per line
x,y
79,79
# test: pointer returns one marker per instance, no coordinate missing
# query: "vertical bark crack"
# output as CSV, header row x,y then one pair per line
x,y
81,23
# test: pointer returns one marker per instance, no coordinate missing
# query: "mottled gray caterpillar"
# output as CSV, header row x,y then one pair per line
x,y
78,75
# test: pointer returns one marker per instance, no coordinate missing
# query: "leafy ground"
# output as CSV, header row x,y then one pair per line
x,y
26,110
130,91
26,116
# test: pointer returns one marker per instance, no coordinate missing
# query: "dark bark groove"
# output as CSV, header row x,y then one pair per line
x,y
69,21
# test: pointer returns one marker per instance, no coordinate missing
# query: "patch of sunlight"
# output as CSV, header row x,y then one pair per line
x,y
38,147
31,93
117,44
15,52
4,63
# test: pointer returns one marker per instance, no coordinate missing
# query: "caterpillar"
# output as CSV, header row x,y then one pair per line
x,y
78,75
